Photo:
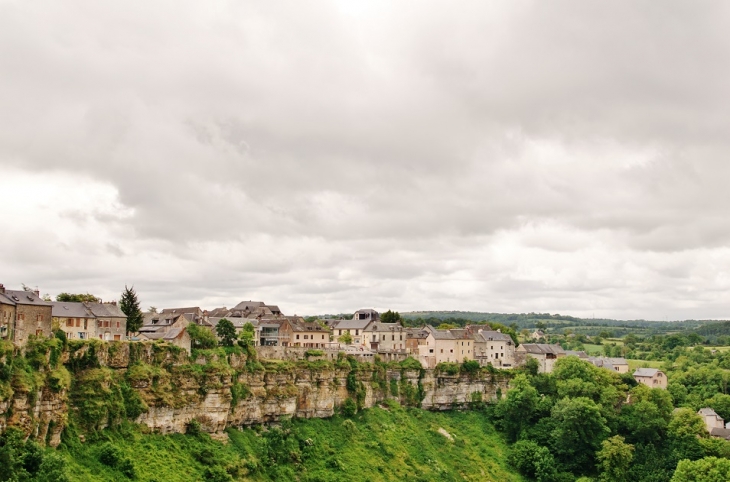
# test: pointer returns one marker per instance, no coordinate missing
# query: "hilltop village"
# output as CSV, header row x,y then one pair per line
x,y
25,313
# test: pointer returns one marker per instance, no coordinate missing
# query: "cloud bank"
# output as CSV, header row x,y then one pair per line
x,y
501,156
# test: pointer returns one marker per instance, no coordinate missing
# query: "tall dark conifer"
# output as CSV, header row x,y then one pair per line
x,y
129,304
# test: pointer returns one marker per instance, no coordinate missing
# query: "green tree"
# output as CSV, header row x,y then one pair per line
x,y
248,335
129,304
708,469
390,317
614,459
77,298
226,332
518,408
533,460
200,337
580,430
346,338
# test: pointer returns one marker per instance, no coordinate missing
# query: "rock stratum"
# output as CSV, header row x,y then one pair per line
x,y
83,387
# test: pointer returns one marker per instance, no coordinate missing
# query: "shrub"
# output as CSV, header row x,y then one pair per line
x,y
309,353
193,428
216,473
470,366
349,408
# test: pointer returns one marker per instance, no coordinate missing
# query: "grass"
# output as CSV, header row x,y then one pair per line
x,y
593,349
634,364
378,444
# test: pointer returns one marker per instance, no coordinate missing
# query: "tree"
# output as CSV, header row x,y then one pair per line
x,y
614,459
200,337
390,317
517,409
77,298
247,336
226,332
346,338
533,460
129,304
579,431
708,469
152,309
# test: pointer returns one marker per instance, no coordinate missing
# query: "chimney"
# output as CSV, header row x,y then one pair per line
x,y
114,302
2,288
37,292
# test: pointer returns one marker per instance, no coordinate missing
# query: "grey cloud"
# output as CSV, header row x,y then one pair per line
x,y
380,151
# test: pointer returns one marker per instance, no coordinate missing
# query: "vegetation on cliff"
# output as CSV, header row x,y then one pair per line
x,y
380,444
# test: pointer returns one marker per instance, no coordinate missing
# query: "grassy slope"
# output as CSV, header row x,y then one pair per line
x,y
383,445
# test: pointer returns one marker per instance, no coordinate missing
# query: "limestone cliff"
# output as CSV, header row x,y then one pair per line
x,y
156,385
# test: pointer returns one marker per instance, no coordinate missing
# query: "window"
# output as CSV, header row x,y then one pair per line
x,y
306,337
78,322
323,337
297,337
401,338
69,322
442,350
117,324
357,332
383,337
39,317
430,350
392,338
340,332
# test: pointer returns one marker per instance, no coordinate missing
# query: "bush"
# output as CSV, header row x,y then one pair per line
x,y
470,366
349,408
309,353
193,428
216,473
109,455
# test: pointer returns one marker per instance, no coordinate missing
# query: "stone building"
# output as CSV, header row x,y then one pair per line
x,y
32,315
7,316
546,355
74,319
111,322
385,337
651,377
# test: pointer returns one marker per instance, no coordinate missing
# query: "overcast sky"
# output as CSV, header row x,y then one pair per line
x,y
562,157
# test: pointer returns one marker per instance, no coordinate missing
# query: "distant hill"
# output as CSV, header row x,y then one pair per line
x,y
554,322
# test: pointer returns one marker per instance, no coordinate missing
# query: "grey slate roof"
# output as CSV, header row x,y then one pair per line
x,y
105,310
720,432
20,297
542,348
645,372
495,336
707,411
66,309
248,305
440,334
353,324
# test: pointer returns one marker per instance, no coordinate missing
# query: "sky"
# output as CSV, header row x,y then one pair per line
x,y
563,157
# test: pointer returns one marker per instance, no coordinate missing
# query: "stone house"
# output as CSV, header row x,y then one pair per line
x,y
440,347
492,347
415,337
464,344
195,313
618,365
111,322
546,355
296,332
156,324
651,377
33,316
74,319
7,316
355,328
177,336
385,337
714,423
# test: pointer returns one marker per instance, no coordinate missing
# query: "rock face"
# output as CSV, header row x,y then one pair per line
x,y
158,386
271,397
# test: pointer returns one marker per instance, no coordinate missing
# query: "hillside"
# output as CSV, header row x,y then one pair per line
x,y
379,444
554,322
